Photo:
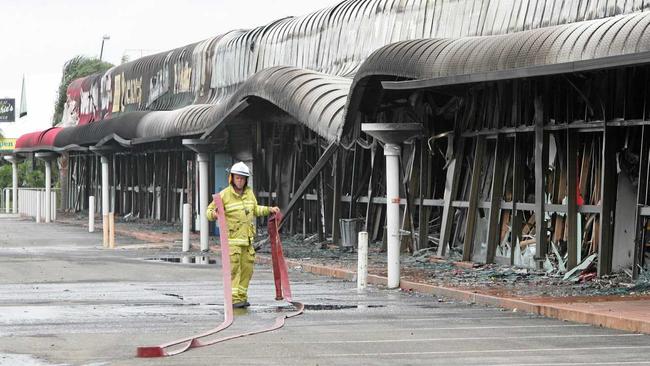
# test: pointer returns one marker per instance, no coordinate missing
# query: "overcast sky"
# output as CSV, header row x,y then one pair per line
x,y
39,36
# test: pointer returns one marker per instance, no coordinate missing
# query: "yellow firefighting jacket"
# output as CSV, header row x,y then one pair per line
x,y
241,211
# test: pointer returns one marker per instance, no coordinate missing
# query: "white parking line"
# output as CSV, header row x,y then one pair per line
x,y
451,328
447,318
500,351
575,363
471,338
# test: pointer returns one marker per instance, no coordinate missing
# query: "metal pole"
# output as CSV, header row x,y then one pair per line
x,y
14,185
362,264
91,214
105,227
48,190
392,151
187,217
203,199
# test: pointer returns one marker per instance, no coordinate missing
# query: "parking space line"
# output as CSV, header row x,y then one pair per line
x,y
454,328
500,351
471,338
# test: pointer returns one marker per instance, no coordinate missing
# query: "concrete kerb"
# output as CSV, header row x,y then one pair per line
x,y
561,311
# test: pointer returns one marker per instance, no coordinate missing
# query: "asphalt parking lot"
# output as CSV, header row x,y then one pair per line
x,y
65,300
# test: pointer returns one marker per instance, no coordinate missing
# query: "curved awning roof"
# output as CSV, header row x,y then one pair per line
x,y
312,98
324,101
35,141
564,48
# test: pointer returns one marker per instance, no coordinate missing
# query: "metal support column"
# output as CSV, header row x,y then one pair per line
x,y
48,190
14,186
47,158
14,159
392,152
392,134
105,190
203,160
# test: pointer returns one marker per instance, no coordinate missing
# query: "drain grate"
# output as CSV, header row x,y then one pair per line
x,y
188,259
317,307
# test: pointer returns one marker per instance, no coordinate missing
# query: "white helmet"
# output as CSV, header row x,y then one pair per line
x,y
240,169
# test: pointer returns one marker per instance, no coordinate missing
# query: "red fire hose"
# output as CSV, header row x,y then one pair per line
x,y
282,291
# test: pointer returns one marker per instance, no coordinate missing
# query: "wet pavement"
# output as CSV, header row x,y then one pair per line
x,y
65,300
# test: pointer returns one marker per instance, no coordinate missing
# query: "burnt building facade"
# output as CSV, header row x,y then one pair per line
x,y
518,126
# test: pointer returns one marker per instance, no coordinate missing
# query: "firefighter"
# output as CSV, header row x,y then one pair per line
x,y
241,208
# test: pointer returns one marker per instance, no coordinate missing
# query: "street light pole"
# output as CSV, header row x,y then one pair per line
x,y
106,37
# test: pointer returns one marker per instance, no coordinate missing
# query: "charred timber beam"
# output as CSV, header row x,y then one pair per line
x,y
608,203
318,167
479,152
336,198
579,126
572,196
641,200
541,164
424,186
371,184
495,199
517,194
451,191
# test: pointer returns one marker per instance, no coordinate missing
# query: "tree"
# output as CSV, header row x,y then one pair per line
x,y
28,176
76,68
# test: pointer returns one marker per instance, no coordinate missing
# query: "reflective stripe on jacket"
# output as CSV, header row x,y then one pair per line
x,y
241,211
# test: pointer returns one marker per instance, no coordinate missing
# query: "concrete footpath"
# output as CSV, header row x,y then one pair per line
x,y
630,313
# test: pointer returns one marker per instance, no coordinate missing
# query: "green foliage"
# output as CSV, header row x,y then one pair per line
x,y
28,177
5,176
76,68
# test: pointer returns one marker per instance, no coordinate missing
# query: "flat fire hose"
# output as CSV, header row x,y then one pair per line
x,y
282,291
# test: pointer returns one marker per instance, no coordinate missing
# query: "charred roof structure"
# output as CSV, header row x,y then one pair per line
x,y
532,140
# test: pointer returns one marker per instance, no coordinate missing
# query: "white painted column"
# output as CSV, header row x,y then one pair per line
x,y
158,194
38,206
362,264
14,185
7,201
392,151
105,190
203,199
91,214
105,204
48,191
187,221
181,206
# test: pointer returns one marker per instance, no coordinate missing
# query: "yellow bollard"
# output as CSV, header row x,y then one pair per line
x,y
111,223
105,230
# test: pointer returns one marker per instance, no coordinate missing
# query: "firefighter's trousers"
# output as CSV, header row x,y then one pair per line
x,y
242,260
